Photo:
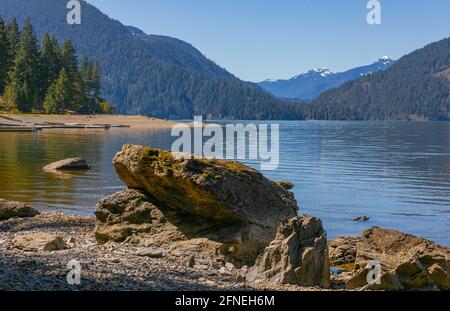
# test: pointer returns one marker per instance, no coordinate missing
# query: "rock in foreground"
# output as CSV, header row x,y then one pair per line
x,y
10,209
407,262
298,255
34,242
224,201
72,164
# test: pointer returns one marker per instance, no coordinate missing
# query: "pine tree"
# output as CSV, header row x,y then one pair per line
x,y
51,63
13,34
96,80
25,74
4,56
59,95
69,62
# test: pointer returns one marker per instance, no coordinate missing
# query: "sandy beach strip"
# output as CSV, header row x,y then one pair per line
x,y
132,121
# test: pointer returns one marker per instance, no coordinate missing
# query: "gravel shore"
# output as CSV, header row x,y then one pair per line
x,y
111,266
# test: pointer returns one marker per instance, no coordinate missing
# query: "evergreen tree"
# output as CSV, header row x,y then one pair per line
x,y
13,34
51,63
96,80
59,95
69,61
4,56
91,76
25,74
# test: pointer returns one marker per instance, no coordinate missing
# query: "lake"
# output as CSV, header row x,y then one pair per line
x,y
396,173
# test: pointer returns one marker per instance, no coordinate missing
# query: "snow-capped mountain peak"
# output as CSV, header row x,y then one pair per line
x,y
324,72
385,60
312,83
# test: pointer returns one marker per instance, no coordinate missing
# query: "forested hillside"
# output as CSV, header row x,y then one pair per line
x,y
45,78
153,75
416,87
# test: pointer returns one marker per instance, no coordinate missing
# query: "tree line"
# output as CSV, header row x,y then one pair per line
x,y
48,77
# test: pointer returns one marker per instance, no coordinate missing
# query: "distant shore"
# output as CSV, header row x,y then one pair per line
x,y
132,121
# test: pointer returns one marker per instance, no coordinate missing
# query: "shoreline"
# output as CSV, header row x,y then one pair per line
x,y
120,267
110,266
83,121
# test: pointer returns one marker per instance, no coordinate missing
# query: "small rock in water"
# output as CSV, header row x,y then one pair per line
x,y
361,219
152,252
68,165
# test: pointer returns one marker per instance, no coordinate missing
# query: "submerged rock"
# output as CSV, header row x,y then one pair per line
x,y
298,255
223,201
361,219
72,164
10,209
406,261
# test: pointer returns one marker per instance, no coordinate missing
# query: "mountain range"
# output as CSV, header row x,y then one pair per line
x,y
169,78
151,74
309,85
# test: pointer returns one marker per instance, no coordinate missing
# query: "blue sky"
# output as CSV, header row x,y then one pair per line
x,y
260,39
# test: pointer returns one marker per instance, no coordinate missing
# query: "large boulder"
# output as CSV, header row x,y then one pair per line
x,y
298,255
225,201
10,209
405,261
131,215
72,164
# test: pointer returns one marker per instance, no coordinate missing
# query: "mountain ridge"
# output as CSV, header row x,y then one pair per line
x,y
416,87
310,84
149,74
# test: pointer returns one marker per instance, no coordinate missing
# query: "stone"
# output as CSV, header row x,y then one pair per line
x,y
287,185
342,252
127,213
191,261
152,252
406,261
298,255
71,242
224,201
34,242
72,164
10,209
361,219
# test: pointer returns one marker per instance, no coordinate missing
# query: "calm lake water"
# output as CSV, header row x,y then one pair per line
x,y
397,173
